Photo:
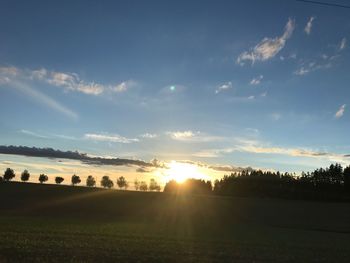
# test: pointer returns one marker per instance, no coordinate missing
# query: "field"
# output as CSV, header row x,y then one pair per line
x,y
48,223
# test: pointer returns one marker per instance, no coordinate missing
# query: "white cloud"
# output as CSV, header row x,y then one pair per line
x,y
34,134
257,80
213,153
268,47
276,116
342,44
301,71
67,81
190,136
124,86
181,135
149,135
223,87
308,26
43,99
109,138
340,111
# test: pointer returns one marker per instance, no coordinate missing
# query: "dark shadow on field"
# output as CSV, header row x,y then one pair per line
x,y
186,214
49,223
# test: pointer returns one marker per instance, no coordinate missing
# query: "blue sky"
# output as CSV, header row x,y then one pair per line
x,y
232,83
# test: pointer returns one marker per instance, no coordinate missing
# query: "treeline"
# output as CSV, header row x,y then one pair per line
x,y
332,183
106,181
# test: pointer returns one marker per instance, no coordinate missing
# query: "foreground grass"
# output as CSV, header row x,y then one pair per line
x,y
64,224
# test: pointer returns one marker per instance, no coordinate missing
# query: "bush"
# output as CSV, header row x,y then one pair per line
x,y
90,181
25,176
43,178
9,174
59,180
75,179
106,182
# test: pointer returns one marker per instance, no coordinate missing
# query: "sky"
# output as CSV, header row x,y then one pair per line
x,y
223,84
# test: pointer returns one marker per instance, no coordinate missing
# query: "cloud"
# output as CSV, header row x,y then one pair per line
x,y
149,135
268,47
190,136
67,81
306,68
213,153
124,86
340,111
72,82
34,134
342,44
308,26
109,138
51,153
43,99
257,80
223,87
276,116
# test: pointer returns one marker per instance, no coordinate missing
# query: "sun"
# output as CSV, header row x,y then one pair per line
x,y
181,171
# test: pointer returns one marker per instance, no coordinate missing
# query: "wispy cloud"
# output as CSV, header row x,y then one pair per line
x,y
191,136
276,116
340,111
149,135
268,47
308,26
342,44
306,68
257,80
109,138
124,86
66,80
224,87
43,99
33,134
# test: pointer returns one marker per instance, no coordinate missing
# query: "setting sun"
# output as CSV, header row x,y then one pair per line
x,y
181,171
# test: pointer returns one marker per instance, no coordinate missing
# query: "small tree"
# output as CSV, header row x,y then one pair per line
x,y
122,183
59,180
43,178
9,174
25,176
153,185
143,186
90,181
75,179
106,182
137,184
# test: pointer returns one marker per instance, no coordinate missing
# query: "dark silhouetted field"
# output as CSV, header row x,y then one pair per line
x,y
48,223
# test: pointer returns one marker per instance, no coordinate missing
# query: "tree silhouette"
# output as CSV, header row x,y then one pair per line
x,y
171,187
347,179
106,182
59,180
43,178
25,176
137,184
153,185
143,186
75,179
1,179
122,183
9,174
90,181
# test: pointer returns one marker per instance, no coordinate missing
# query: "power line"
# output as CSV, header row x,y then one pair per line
x,y
324,3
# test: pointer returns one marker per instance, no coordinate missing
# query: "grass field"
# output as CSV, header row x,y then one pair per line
x,y
48,223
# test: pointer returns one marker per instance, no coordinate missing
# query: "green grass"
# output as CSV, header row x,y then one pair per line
x,y
47,223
